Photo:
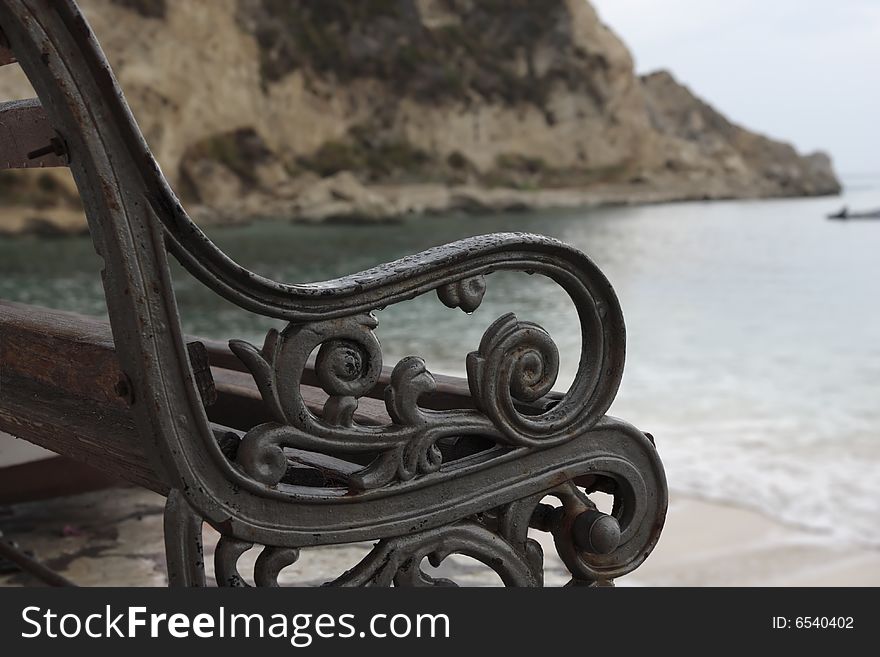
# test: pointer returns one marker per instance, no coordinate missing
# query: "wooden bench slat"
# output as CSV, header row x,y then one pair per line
x,y
84,430
34,341
43,333
452,392
27,138
60,389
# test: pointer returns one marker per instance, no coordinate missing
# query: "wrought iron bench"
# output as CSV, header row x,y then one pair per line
x,y
276,449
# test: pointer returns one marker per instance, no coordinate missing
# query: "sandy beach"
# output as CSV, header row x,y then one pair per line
x,y
706,544
115,538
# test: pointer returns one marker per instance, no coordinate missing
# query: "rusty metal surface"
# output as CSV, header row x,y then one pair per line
x,y
201,367
466,479
27,139
6,54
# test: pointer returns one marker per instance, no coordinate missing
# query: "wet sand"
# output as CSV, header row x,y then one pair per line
x,y
707,544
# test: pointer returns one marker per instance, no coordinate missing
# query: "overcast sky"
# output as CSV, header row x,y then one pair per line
x,y
806,71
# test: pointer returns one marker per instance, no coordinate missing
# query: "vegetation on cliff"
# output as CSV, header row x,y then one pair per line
x,y
380,107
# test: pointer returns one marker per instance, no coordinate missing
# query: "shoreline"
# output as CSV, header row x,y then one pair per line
x,y
114,537
341,199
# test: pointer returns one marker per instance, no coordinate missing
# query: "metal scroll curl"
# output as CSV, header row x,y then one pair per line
x,y
613,458
519,362
499,538
347,366
396,561
269,564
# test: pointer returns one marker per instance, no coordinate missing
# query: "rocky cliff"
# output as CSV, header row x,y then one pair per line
x,y
376,108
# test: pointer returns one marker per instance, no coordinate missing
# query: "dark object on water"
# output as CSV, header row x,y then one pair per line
x,y
844,213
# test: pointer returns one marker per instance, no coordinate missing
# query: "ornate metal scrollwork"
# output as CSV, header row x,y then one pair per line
x,y
510,376
398,561
517,364
594,547
348,365
269,564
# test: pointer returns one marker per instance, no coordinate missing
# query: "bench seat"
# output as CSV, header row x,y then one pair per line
x,y
63,389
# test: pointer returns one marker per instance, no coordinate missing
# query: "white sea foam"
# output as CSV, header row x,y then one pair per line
x,y
836,497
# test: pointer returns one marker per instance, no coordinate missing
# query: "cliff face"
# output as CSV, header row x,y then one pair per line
x,y
703,146
379,107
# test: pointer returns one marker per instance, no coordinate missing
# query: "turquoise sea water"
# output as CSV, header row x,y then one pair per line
x,y
753,330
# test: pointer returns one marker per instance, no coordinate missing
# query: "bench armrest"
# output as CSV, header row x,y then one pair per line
x,y
408,494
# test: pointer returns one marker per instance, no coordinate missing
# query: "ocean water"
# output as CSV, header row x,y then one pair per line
x,y
753,330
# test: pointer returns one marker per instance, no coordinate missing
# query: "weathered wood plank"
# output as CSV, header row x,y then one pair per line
x,y
35,341
61,387
451,392
99,435
27,138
